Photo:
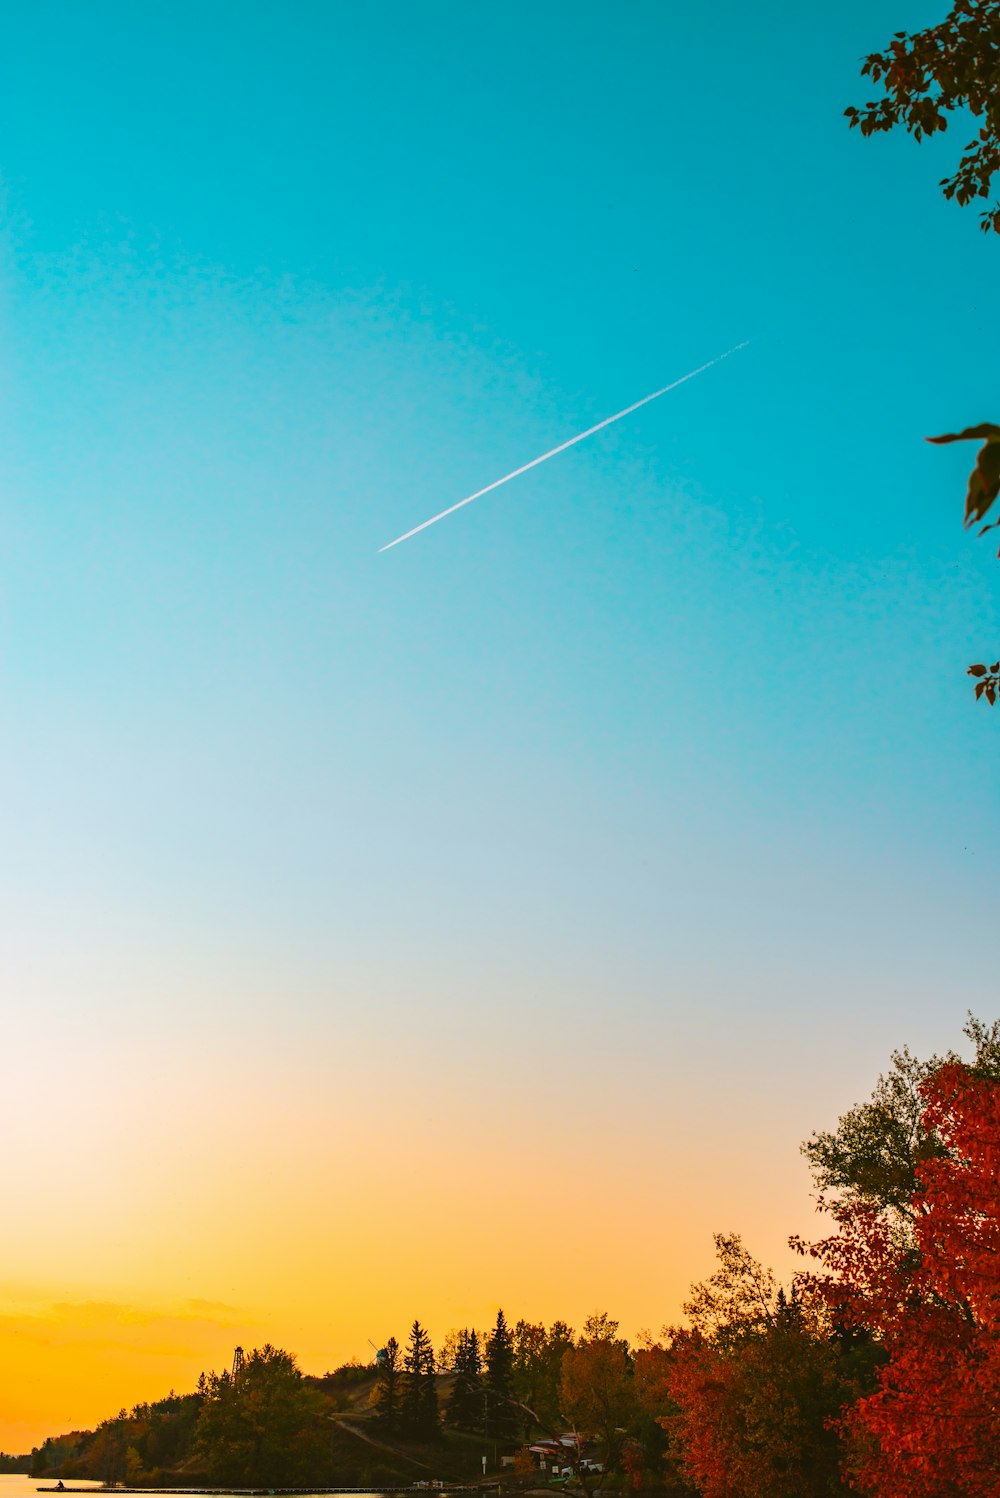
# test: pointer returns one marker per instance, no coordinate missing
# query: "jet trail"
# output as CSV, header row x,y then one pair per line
x,y
563,446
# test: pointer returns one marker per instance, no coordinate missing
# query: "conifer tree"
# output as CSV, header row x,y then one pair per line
x,y
419,1406
466,1402
388,1398
502,1415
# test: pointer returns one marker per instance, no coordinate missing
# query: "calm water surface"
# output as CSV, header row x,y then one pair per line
x,y
27,1487
24,1487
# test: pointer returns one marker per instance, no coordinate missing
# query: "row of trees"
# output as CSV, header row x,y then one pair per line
x,y
482,1394
878,1371
263,1424
513,1383
505,1384
406,1396
875,1370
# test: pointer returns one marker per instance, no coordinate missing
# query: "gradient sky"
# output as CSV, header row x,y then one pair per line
x,y
488,921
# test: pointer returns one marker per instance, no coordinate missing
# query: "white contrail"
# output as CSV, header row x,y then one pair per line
x,y
563,445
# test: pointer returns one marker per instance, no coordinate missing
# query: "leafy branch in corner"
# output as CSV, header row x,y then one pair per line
x,y
926,75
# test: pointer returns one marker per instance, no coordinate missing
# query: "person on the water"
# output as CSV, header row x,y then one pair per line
x,y
59,1486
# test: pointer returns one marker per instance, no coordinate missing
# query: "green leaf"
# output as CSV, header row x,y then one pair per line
x,y
984,480
984,483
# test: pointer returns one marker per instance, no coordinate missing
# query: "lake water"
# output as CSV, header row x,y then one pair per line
x,y
24,1487
27,1487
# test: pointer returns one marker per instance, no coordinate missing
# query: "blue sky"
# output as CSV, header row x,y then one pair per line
x,y
660,761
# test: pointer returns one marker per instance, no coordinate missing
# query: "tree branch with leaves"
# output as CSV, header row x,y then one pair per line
x,y
927,75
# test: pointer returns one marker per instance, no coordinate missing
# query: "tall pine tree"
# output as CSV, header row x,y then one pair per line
x,y
420,1419
465,1407
389,1392
502,1414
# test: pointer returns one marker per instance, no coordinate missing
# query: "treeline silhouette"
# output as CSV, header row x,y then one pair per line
x,y
264,1423
873,1371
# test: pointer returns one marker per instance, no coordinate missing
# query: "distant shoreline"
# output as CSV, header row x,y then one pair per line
x,y
259,1492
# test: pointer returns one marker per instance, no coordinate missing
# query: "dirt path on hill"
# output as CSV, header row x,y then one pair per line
x,y
381,1445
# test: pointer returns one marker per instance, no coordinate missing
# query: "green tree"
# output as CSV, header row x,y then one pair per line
x,y
871,1158
56,1452
535,1375
736,1301
537,1372
465,1406
448,1350
502,1415
262,1427
420,1420
388,1391
105,1454
134,1469
873,1153
647,1449
169,1427
597,1392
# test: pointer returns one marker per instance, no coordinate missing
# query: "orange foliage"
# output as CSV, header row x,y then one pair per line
x,y
753,1418
524,1463
933,1425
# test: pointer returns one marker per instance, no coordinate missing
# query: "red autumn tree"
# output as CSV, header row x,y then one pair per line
x,y
754,1421
933,1299
755,1383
